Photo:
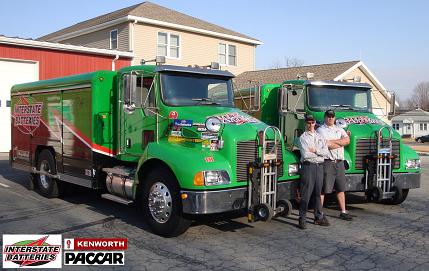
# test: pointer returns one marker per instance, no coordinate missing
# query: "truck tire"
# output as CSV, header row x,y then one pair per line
x,y
47,185
162,206
398,198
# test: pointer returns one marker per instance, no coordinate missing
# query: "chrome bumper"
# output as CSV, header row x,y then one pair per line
x,y
219,201
356,182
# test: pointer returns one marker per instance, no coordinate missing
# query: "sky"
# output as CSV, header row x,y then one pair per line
x,y
390,37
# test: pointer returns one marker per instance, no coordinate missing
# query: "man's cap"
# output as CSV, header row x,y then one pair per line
x,y
330,113
309,118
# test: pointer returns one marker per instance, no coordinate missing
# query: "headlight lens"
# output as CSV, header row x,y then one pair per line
x,y
211,177
342,123
412,164
213,124
293,169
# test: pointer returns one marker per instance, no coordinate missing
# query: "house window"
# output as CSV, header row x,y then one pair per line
x,y
227,54
423,126
8,103
168,45
395,126
408,126
231,55
114,39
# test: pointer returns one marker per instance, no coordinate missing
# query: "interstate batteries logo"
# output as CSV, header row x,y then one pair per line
x,y
27,117
31,251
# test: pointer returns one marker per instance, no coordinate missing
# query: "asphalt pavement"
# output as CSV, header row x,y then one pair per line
x,y
380,237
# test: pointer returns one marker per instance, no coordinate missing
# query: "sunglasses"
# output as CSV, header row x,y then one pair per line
x,y
310,122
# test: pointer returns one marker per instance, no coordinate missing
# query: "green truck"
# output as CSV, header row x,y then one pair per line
x,y
377,161
166,138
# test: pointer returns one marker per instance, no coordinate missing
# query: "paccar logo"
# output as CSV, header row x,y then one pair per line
x,y
235,118
31,251
94,251
27,117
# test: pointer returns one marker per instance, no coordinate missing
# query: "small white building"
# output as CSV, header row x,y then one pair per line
x,y
412,124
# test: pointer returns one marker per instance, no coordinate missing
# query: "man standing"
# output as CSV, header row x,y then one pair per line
x,y
313,148
334,171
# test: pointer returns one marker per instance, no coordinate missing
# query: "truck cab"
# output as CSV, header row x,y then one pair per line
x,y
376,160
168,138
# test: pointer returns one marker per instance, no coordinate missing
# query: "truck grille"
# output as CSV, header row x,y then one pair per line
x,y
247,151
369,146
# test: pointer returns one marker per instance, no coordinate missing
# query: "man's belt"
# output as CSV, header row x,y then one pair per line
x,y
307,163
336,161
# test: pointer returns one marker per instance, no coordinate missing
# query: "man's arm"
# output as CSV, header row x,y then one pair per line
x,y
332,145
306,151
341,142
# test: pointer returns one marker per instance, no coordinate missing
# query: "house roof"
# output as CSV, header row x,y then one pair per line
x,y
276,76
415,115
151,13
62,47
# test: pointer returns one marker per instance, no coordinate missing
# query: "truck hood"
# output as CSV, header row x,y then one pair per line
x,y
237,125
360,124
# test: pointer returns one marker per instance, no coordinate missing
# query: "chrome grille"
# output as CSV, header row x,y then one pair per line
x,y
247,151
368,146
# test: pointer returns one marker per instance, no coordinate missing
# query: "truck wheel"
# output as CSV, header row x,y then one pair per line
x,y
47,185
162,205
399,197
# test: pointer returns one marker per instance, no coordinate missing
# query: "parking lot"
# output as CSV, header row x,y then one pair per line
x,y
380,237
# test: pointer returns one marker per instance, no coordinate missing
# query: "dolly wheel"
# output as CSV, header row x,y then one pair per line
x,y
374,194
286,205
264,212
399,196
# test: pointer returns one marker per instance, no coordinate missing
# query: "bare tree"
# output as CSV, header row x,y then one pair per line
x,y
420,97
287,62
293,62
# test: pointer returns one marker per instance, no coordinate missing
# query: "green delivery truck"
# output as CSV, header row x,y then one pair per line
x,y
376,160
167,138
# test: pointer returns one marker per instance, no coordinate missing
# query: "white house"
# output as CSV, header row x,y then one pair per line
x,y
412,124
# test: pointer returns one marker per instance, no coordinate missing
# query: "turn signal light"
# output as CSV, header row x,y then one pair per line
x,y
199,179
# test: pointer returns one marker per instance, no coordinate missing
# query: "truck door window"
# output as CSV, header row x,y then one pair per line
x,y
144,97
296,99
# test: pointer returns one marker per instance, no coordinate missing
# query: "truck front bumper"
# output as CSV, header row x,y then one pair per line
x,y
219,201
356,182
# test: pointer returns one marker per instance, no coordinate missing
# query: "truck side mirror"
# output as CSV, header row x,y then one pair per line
x,y
284,99
255,100
129,89
392,104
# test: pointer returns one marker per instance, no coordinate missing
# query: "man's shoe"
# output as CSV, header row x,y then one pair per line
x,y
346,216
322,221
302,225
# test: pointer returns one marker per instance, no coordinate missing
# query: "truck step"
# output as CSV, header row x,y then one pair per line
x,y
116,199
121,171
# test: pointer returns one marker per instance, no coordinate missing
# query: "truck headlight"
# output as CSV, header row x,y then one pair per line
x,y
213,124
412,164
293,169
211,177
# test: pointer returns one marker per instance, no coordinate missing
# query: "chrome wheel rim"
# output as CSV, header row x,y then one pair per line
x,y
44,167
160,202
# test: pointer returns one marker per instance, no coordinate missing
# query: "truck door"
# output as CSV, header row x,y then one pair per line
x,y
137,121
292,113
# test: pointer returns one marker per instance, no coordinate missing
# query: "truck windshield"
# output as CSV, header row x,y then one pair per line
x,y
186,89
339,98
